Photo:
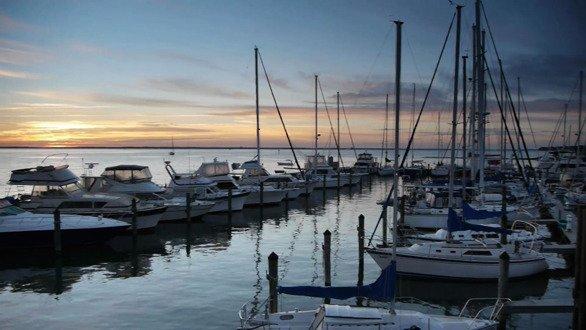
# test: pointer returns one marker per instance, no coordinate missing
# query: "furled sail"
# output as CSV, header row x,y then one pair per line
x,y
455,223
470,213
383,289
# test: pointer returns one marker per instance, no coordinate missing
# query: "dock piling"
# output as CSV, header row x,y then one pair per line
x,y
579,319
273,278
230,193
502,287
360,250
57,231
262,190
134,219
327,261
188,207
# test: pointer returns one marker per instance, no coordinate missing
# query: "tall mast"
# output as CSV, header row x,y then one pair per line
x,y
397,110
580,115
564,136
439,115
464,77
482,107
502,123
316,136
386,138
455,108
519,111
338,124
257,107
473,146
412,118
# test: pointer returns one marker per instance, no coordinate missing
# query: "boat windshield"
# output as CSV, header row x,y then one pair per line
x,y
129,175
55,191
11,210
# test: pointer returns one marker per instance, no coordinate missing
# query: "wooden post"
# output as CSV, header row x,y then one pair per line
x,y
360,250
338,185
273,278
230,193
134,218
503,237
324,182
188,207
502,287
402,210
57,231
262,192
385,223
579,319
327,261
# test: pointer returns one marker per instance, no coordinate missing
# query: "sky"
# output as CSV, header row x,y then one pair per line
x,y
140,73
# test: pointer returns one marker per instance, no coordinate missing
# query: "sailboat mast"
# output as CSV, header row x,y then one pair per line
x,y
580,115
464,156
482,107
338,124
315,158
564,136
455,108
257,107
397,110
412,118
472,137
386,136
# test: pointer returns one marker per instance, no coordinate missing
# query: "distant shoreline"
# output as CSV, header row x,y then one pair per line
x,y
229,148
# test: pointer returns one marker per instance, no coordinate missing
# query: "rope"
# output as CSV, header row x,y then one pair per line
x,y
330,120
528,120
348,125
280,115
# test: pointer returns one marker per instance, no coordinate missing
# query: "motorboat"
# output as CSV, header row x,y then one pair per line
x,y
57,187
386,170
366,164
252,173
22,229
319,171
136,180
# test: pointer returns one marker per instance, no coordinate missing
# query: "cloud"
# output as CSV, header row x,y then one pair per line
x,y
544,74
18,53
16,74
8,23
111,99
189,86
189,59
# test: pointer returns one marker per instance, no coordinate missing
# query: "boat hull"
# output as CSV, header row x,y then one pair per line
x,y
69,237
457,269
177,212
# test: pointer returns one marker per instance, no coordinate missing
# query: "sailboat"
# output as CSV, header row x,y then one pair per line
x,y
387,169
172,152
357,317
456,259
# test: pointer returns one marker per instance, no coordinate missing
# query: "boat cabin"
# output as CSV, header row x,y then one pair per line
x,y
128,173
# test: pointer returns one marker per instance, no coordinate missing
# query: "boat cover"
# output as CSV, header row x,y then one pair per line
x,y
383,289
455,223
470,213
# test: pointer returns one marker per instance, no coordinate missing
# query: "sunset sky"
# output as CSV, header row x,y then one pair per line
x,y
137,73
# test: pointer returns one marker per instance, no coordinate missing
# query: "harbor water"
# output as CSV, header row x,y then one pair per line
x,y
199,275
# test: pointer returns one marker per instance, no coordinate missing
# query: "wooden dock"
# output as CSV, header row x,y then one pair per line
x,y
534,306
559,248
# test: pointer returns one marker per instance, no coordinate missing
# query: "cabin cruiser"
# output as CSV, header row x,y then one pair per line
x,y
19,228
252,174
537,233
136,180
386,170
57,187
207,190
317,170
366,164
219,173
454,259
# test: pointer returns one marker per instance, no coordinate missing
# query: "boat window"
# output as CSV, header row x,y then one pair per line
x,y
322,172
100,204
438,250
492,235
477,253
11,210
129,175
46,191
76,205
226,185
452,251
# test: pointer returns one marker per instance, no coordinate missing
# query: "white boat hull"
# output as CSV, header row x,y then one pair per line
x,y
177,212
268,197
420,266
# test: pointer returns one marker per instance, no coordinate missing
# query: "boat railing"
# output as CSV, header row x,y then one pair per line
x,y
495,309
530,225
249,310
413,300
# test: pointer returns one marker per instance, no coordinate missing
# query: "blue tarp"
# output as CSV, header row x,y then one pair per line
x,y
470,213
383,289
455,223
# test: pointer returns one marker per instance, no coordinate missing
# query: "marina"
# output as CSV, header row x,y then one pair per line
x,y
447,214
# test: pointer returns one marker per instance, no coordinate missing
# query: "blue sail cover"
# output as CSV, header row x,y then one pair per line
x,y
470,213
455,223
383,289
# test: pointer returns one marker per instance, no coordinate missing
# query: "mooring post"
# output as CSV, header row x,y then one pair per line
x,y
402,210
324,182
338,178
262,193
57,231
188,207
360,250
502,287
134,218
579,319
503,237
385,224
230,192
327,261
273,282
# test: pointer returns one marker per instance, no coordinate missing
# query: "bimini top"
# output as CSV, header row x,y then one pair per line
x,y
43,176
214,168
128,173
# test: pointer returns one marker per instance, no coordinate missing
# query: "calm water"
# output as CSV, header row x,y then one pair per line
x,y
198,275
